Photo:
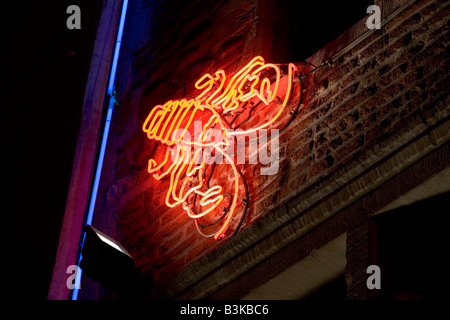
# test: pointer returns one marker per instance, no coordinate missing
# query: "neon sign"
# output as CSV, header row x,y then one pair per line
x,y
186,165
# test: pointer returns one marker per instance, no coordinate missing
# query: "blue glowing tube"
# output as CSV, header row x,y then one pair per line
x,y
104,141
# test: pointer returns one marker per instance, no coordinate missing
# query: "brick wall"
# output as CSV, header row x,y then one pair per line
x,y
394,77
182,44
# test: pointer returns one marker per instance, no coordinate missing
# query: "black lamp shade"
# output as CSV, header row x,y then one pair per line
x,y
107,262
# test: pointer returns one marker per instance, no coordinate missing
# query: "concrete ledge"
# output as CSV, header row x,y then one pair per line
x,y
302,215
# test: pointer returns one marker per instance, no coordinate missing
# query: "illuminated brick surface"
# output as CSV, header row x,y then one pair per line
x,y
395,77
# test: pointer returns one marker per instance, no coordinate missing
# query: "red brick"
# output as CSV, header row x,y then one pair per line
x,y
349,106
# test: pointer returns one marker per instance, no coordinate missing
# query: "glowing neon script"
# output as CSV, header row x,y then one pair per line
x,y
171,124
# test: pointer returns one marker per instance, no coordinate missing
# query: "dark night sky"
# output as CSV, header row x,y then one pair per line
x,y
44,67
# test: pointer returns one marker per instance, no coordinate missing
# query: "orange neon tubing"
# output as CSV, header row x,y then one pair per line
x,y
218,97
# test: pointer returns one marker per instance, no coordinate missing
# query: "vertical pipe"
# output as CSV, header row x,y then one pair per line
x,y
104,141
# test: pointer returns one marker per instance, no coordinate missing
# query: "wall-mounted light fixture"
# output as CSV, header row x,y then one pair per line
x,y
107,262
